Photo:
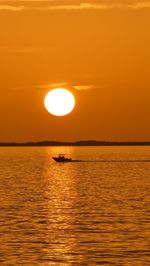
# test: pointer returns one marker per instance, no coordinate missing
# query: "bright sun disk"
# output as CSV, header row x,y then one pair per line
x,y
59,102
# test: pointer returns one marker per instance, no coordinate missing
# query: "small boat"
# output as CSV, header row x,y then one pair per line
x,y
61,159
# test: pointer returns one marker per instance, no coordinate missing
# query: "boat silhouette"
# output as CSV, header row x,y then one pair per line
x,y
62,159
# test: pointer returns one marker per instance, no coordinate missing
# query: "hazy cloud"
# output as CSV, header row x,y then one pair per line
x,y
141,5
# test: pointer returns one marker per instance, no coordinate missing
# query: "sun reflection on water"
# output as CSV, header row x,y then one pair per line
x,y
73,213
61,194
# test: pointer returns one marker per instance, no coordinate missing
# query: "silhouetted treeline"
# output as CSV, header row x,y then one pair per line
x,y
77,143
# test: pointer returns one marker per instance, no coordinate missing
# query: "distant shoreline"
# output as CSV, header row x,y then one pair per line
x,y
77,143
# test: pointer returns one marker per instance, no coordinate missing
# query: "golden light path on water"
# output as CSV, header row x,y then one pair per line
x,y
74,213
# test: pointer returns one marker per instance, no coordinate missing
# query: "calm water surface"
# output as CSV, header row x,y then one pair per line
x,y
85,213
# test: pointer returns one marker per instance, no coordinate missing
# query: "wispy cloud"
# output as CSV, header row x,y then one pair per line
x,y
72,6
26,50
55,85
81,6
96,6
68,86
21,1
12,8
84,87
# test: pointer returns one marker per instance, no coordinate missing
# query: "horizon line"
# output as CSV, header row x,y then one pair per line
x,y
75,143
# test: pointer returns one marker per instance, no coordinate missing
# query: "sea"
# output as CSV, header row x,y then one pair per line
x,y
92,212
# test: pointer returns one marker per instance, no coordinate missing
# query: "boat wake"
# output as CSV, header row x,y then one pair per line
x,y
111,161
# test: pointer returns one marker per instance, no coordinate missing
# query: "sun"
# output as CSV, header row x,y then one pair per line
x,y
59,102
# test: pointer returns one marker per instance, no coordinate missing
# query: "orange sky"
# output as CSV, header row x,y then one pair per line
x,y
99,49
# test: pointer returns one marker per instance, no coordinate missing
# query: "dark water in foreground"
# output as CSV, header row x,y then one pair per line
x,y
91,213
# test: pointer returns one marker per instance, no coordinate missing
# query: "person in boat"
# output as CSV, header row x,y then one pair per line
x,y
61,156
